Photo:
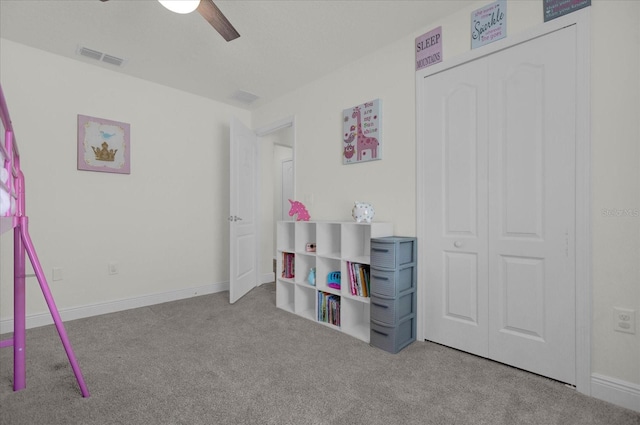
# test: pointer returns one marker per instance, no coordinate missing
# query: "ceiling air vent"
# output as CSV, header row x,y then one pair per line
x,y
112,60
103,57
93,54
244,97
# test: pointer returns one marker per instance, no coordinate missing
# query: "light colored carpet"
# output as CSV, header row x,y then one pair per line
x,y
204,361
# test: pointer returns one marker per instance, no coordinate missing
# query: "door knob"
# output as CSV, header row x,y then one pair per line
x,y
457,244
234,218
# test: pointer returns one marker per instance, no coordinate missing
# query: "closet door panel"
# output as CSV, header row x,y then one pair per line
x,y
532,205
456,211
522,149
461,287
460,160
522,281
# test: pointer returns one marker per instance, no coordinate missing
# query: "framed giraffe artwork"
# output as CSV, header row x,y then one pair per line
x,y
103,145
361,133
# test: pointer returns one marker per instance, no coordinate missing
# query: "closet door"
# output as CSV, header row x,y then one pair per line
x,y
499,203
455,249
532,205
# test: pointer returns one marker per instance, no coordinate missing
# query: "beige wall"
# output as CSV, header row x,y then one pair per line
x,y
389,184
164,224
616,184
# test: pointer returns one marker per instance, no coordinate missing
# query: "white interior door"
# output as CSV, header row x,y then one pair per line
x,y
499,197
243,235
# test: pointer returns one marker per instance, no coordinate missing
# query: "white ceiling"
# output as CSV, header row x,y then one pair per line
x,y
283,44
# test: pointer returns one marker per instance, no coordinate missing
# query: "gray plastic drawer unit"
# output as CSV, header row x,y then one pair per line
x,y
394,310
390,283
393,338
392,252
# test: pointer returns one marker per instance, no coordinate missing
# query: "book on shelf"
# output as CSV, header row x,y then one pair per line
x,y
359,278
288,265
329,308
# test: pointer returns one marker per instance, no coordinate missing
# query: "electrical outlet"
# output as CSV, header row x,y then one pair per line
x,y
624,320
113,268
57,273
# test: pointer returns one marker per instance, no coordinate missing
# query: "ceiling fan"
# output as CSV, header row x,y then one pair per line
x,y
208,10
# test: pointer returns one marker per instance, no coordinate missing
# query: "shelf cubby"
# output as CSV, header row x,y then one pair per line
x,y
304,263
305,302
329,240
362,290
329,308
285,295
285,240
355,318
305,233
323,268
356,243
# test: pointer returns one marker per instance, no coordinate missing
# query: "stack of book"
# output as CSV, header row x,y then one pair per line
x,y
358,278
329,308
288,265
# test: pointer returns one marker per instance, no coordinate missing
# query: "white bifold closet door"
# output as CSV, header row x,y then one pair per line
x,y
500,214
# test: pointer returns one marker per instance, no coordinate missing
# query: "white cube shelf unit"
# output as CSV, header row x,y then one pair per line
x,y
337,244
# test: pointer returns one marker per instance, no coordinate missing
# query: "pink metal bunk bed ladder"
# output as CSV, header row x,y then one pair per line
x,y
15,218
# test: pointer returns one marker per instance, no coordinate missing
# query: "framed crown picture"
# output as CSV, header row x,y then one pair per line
x,y
103,145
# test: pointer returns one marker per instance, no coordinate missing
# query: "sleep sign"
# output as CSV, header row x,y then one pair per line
x,y
489,24
429,48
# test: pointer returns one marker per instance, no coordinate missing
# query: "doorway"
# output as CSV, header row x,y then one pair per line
x,y
277,176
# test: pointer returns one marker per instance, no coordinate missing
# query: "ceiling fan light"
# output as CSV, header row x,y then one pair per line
x,y
180,6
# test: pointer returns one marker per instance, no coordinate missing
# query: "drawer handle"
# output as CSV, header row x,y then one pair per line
x,y
378,332
379,250
379,277
380,305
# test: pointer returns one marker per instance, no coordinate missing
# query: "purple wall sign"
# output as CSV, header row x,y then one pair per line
x,y
429,48
489,24
555,8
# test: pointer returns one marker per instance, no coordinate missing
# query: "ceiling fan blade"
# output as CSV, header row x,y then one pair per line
x,y
216,18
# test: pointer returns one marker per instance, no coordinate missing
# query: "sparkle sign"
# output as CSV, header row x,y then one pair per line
x,y
489,24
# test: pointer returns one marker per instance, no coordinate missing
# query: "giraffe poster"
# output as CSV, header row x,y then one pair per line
x,y
361,133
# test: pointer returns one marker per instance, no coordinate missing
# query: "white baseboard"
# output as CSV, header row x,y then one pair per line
x,y
43,319
616,391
